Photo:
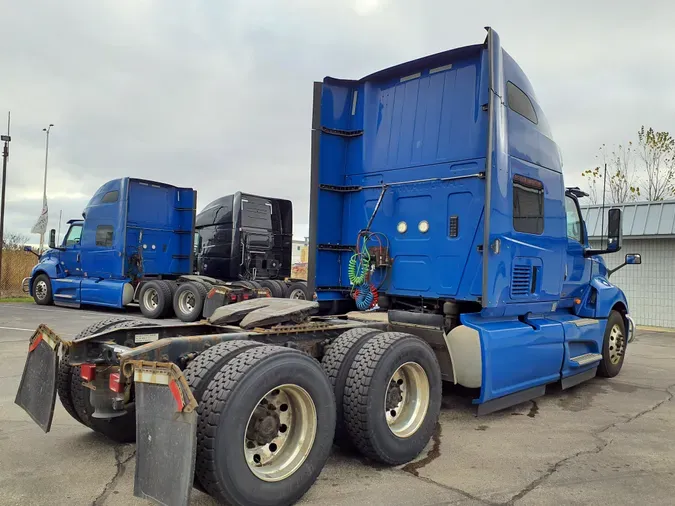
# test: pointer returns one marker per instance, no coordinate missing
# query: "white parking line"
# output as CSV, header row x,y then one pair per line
x,y
16,328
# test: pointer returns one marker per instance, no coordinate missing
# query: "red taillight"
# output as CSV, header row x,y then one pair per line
x,y
233,298
88,372
245,296
115,384
175,391
211,293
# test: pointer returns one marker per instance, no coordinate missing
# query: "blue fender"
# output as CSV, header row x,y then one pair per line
x,y
607,297
49,265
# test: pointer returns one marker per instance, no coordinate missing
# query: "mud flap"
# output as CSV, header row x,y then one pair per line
x,y
166,433
37,390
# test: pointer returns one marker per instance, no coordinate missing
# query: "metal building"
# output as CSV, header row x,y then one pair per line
x,y
648,229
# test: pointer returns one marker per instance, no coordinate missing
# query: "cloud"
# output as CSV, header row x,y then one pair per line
x,y
217,95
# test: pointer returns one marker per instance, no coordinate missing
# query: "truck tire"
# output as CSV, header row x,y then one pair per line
x,y
42,290
65,371
154,299
336,362
298,290
173,286
276,459
206,365
202,369
401,372
613,346
274,288
283,286
121,429
188,301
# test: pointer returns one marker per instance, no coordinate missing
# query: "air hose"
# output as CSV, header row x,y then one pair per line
x,y
366,296
358,265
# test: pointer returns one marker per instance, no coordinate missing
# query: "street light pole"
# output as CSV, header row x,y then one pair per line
x,y
5,156
44,191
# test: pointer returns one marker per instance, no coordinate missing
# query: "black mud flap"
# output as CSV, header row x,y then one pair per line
x,y
166,433
37,390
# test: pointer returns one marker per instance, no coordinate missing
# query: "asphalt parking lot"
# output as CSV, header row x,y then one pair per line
x,y
603,442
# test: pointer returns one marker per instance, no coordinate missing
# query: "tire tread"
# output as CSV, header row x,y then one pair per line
x,y
356,399
214,405
334,364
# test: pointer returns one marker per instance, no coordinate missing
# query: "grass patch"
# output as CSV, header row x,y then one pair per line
x,y
16,299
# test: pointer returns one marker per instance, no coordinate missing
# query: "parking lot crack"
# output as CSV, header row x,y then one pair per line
x,y
600,447
120,468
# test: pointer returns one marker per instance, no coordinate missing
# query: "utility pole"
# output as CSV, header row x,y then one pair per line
x,y
5,156
58,234
44,191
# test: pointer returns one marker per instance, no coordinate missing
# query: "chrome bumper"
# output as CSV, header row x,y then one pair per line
x,y
25,285
631,328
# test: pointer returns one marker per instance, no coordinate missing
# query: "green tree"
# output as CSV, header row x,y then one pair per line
x,y
657,151
622,184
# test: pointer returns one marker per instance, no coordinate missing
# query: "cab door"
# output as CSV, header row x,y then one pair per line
x,y
576,272
66,287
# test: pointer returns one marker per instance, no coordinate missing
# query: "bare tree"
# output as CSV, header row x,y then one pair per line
x,y
622,183
657,150
14,242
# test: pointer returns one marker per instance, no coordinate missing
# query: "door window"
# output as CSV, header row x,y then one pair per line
x,y
573,220
73,237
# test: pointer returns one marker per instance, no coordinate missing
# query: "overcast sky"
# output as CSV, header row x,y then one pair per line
x,y
216,95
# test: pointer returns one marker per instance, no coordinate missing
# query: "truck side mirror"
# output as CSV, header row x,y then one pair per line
x,y
614,232
633,259
52,238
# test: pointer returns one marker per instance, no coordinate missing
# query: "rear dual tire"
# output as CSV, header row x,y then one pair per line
x,y
388,393
266,425
188,301
155,299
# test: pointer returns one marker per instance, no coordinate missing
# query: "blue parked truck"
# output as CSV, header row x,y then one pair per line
x,y
437,191
136,243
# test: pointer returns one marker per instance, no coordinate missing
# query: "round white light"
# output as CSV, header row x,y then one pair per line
x,y
423,226
402,227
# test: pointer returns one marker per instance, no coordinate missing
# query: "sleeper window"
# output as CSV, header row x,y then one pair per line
x,y
528,205
104,236
520,103
110,197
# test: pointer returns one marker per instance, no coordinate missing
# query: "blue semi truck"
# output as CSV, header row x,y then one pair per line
x,y
142,242
436,191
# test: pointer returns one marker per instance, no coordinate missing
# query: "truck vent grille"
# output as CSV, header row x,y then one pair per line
x,y
454,226
521,280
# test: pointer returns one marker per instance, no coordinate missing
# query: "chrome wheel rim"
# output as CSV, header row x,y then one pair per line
x,y
150,298
280,433
616,344
407,399
187,301
41,290
298,293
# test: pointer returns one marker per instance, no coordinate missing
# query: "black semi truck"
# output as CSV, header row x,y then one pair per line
x,y
242,245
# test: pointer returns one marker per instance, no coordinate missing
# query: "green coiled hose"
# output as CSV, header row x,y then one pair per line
x,y
358,266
